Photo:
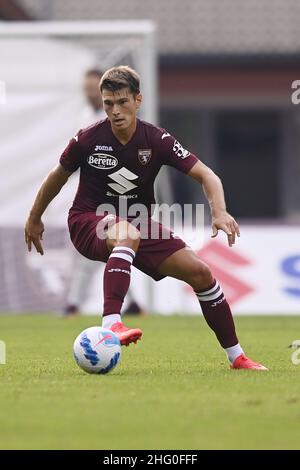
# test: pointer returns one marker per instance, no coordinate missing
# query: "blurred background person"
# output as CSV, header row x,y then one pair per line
x,y
84,269
93,111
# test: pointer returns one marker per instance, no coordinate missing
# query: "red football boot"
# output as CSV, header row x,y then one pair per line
x,y
243,362
126,335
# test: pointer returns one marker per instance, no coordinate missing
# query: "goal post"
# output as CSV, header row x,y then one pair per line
x,y
110,41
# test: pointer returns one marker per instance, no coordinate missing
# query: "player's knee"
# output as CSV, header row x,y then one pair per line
x,y
134,234
201,276
124,233
131,235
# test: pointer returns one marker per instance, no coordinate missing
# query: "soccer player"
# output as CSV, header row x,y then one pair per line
x,y
119,159
83,268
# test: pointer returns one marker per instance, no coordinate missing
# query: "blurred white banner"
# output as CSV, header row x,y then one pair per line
x,y
259,275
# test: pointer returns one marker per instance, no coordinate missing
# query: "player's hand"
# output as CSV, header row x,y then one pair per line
x,y
34,230
225,222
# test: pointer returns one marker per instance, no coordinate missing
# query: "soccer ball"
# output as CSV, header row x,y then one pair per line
x,y
97,350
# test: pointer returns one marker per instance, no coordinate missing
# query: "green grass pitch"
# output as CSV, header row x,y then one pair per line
x,y
173,390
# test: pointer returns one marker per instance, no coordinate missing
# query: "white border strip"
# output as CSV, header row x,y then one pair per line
x,y
69,28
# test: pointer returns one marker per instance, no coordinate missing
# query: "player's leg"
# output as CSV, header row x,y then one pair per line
x,y
122,241
185,265
114,241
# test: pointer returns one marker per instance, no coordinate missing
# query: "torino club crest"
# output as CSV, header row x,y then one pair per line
x,y
144,156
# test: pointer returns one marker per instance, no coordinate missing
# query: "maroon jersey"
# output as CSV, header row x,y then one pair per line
x,y
110,170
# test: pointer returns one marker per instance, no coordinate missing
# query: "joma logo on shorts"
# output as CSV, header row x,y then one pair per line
x,y
102,161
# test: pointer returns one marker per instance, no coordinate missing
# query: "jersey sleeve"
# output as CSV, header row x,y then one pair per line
x,y
173,153
71,157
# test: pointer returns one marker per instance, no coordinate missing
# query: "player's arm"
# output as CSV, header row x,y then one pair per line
x,y
213,190
34,227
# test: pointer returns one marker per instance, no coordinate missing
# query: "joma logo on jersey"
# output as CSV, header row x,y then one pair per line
x,y
101,161
106,148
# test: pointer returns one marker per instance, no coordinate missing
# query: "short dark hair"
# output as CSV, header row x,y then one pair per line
x,y
120,77
94,73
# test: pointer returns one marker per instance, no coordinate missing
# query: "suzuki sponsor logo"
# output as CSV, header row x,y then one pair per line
x,y
102,161
124,196
223,262
122,178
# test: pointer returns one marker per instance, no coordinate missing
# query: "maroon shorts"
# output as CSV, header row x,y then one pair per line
x,y
83,227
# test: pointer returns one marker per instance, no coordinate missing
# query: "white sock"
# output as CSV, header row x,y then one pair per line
x,y
234,352
109,320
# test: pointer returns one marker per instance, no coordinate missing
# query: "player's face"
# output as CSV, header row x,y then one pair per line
x,y
92,92
121,107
